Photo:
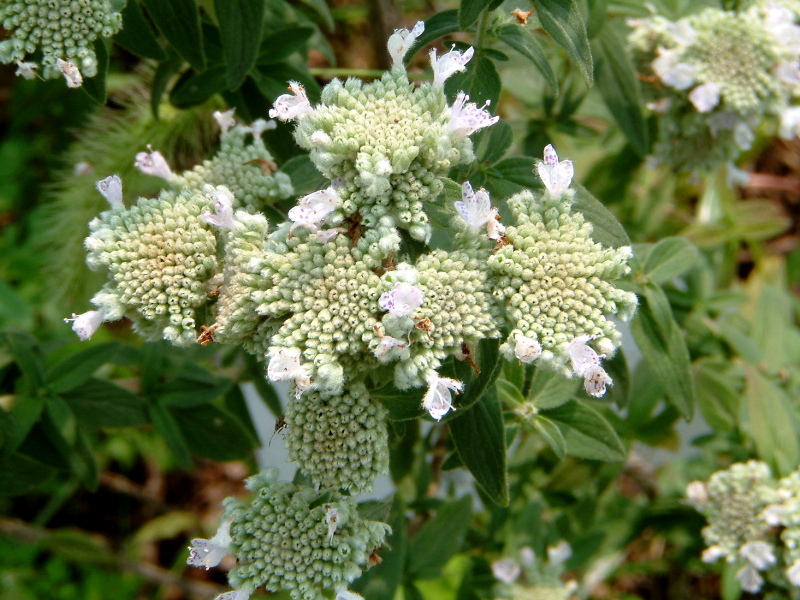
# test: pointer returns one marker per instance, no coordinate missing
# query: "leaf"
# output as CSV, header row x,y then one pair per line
x,y
550,390
439,25
25,414
402,405
193,88
469,11
563,21
153,363
551,434
773,424
480,81
381,581
95,87
304,175
499,138
669,258
282,43
617,368
664,348
136,36
524,41
773,322
186,393
98,403
265,389
439,539
169,429
28,355
376,510
519,170
479,437
597,17
179,22
241,23
487,357
78,368
214,433
20,475
321,8
161,78
618,84
606,229
509,393
718,401
84,461
586,432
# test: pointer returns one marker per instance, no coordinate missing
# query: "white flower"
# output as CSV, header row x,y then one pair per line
x,y
401,41
697,494
86,324
320,138
225,119
437,400
466,118
234,595
111,188
259,126
749,579
595,381
758,554
582,356
474,207
223,207
774,514
712,554
332,519
389,347
779,21
560,553
683,33
153,163
526,349
790,122
27,69
722,121
556,176
448,64
348,595
290,106
284,363
506,570
788,72
325,236
675,74
705,96
793,573
208,553
743,135
402,300
71,73
527,556
311,210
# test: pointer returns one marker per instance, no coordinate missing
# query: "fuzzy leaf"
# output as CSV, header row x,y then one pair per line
x,y
587,434
241,23
469,11
76,369
670,258
179,22
525,42
439,539
563,21
136,36
606,229
550,390
439,25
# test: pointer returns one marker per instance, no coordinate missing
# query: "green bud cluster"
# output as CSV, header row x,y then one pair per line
x,y
244,165
389,143
290,537
339,440
62,29
159,254
555,282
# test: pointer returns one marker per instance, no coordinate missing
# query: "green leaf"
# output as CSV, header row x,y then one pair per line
x,y
772,423
586,432
214,433
524,41
439,539
487,357
381,581
606,229
28,355
282,43
241,23
773,323
136,36
619,86
551,434
161,78
167,426
95,86
193,88
617,368
179,22
664,348
718,401
563,21
439,25
669,258
499,139
20,475
509,393
550,390
519,170
597,17
153,363
186,393
469,11
84,461
99,403
480,81
76,369
321,8
25,414
376,510
402,405
257,373
479,437
304,175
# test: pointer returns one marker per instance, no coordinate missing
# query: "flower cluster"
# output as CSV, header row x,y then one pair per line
x,y
290,538
64,31
340,439
753,523
716,75
530,578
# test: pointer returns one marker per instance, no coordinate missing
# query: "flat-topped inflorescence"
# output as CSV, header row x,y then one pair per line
x,y
63,30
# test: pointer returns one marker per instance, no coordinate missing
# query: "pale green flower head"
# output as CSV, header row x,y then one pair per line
x,y
288,537
339,440
159,254
63,30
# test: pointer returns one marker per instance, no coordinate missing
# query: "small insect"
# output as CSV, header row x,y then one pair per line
x,y
387,265
267,166
467,354
332,518
206,334
280,427
374,558
354,227
503,241
424,324
522,15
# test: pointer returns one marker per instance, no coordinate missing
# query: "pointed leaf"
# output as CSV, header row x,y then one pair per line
x,y
586,432
480,81
551,434
524,41
439,25
241,23
469,11
606,228
76,369
670,258
563,21
439,539
98,403
136,36
169,429
95,86
549,390
179,22
214,433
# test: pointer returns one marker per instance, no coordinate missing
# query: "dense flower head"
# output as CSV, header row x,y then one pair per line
x,y
325,295
290,538
715,75
339,440
244,165
556,284
388,143
159,254
63,30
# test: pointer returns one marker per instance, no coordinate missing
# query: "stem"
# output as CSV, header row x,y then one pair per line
x,y
483,26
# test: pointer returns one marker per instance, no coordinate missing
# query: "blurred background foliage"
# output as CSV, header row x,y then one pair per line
x,y
114,453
